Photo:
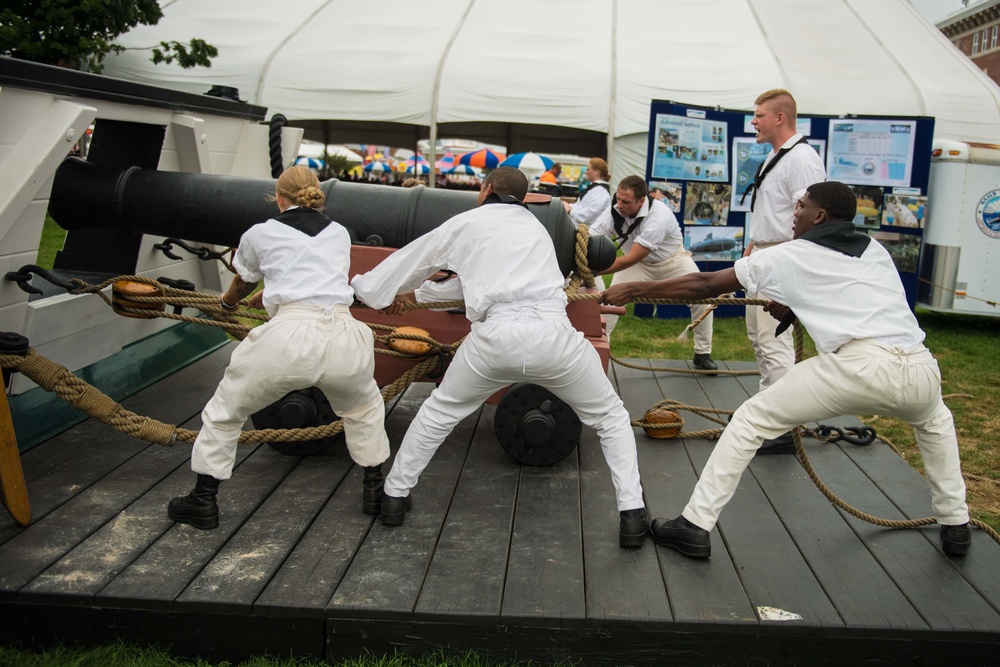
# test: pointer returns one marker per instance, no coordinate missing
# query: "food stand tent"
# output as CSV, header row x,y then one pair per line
x,y
564,76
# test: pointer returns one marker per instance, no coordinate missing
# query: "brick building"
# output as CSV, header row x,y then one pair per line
x,y
975,30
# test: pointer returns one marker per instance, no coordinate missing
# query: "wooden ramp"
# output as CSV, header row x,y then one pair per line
x,y
515,562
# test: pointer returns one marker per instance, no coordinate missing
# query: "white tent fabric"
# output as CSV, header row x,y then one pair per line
x,y
564,76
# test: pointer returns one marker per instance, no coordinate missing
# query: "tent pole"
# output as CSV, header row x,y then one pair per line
x,y
431,182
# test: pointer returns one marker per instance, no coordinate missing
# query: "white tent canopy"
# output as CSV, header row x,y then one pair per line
x,y
564,76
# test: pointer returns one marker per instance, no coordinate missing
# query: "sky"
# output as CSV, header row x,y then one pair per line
x,y
935,10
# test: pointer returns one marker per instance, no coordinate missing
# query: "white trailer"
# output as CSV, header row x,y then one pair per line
x,y
960,259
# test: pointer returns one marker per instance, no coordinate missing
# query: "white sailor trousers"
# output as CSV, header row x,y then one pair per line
x,y
680,264
862,377
523,344
775,355
302,346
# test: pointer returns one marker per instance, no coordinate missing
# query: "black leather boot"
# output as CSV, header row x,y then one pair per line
x,y
682,535
705,362
372,486
956,539
632,528
197,508
783,444
393,509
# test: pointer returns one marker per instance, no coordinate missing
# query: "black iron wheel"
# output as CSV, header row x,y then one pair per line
x,y
534,427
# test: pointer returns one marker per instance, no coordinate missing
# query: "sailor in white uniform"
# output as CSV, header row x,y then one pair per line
x,y
311,340
513,292
647,232
844,288
595,199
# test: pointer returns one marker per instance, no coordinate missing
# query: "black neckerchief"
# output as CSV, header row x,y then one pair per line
x,y
306,220
592,186
758,178
619,220
840,235
497,198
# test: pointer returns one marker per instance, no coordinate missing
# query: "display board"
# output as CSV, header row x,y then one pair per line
x,y
702,160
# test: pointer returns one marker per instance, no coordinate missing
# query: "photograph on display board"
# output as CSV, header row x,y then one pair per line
x,y
714,244
903,248
669,191
690,148
871,152
869,215
707,204
904,211
747,156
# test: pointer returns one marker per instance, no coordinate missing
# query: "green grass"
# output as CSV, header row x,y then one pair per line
x,y
120,654
53,237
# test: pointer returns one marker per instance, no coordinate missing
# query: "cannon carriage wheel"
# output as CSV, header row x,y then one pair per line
x,y
531,424
534,426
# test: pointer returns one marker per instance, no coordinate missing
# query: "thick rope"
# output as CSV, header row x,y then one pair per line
x,y
90,400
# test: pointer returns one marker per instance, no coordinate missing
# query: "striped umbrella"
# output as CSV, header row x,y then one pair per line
x,y
311,162
421,169
528,162
377,167
484,158
462,170
446,162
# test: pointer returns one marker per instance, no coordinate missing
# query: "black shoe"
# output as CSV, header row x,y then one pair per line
x,y
632,528
783,444
682,535
393,509
704,362
956,539
199,507
372,488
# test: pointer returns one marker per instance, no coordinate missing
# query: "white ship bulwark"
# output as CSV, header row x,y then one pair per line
x,y
46,111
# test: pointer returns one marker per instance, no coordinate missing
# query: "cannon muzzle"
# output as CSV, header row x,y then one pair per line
x,y
219,209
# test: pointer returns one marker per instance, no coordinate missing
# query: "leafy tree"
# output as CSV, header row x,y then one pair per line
x,y
71,33
335,164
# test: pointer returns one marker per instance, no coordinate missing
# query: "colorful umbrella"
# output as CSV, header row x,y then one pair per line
x,y
484,158
311,162
421,169
377,167
528,162
446,162
462,169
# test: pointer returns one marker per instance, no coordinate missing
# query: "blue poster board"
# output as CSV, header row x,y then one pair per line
x,y
702,160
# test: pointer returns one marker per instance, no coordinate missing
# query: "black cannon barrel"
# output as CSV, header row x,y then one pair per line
x,y
218,209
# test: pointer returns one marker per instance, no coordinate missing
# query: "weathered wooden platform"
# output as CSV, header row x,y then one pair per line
x,y
515,562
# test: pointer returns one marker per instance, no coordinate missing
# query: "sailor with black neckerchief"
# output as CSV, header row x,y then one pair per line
x,y
646,230
514,296
311,340
844,288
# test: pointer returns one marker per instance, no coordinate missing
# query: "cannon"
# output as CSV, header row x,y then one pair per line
x,y
533,426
